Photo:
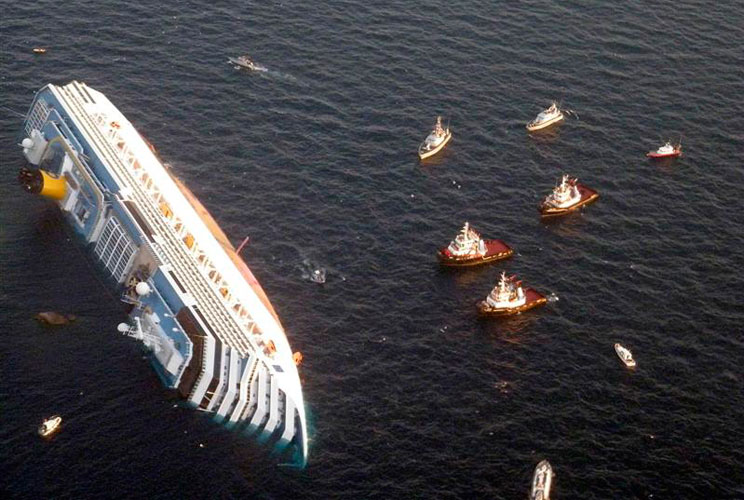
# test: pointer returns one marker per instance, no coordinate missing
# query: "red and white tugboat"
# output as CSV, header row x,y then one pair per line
x,y
566,197
469,249
666,151
508,297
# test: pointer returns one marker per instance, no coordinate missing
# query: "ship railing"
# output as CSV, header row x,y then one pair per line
x,y
170,245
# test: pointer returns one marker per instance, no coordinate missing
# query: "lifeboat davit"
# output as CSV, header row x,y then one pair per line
x,y
666,151
566,197
509,297
469,249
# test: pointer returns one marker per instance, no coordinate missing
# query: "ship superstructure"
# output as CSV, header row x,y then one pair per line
x,y
213,333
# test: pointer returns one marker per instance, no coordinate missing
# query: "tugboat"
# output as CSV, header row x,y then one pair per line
x,y
566,197
508,297
625,356
50,426
541,481
469,249
666,151
435,141
546,118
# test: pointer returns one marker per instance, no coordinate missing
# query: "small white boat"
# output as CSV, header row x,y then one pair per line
x,y
541,481
435,141
50,426
245,62
546,118
625,356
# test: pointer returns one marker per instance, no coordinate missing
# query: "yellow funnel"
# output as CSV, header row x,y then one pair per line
x,y
52,187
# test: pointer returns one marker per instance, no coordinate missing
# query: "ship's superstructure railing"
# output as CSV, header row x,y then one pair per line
x,y
167,240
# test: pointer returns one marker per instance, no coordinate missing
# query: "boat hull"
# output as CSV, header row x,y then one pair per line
x,y
495,250
588,195
424,154
532,127
541,481
533,299
54,423
657,156
619,351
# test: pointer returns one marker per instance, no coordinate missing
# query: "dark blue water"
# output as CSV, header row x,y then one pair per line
x,y
409,394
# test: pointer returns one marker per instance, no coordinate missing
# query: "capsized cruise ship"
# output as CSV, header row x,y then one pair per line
x,y
195,305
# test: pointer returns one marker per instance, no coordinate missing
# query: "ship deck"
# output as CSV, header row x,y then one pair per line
x,y
166,243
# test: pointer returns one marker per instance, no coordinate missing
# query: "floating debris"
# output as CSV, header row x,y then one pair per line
x,y
55,318
313,272
318,276
503,386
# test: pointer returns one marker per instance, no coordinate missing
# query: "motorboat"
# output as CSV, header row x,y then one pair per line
x,y
567,196
469,249
509,297
49,426
39,50
245,62
435,141
625,356
541,481
666,151
546,118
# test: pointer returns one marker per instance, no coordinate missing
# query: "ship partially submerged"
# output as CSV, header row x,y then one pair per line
x,y
212,332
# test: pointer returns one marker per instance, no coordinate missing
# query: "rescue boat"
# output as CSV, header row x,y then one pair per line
x,y
625,356
508,297
435,141
541,481
546,118
49,426
469,249
566,197
666,151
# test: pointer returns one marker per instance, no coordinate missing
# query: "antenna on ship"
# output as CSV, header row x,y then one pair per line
x,y
242,245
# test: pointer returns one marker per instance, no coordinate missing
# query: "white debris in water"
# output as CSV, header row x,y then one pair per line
x,y
318,275
313,272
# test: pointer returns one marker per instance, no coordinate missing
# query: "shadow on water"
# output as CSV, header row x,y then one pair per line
x,y
547,135
508,328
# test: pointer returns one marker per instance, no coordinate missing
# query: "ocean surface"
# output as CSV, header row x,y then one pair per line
x,y
409,394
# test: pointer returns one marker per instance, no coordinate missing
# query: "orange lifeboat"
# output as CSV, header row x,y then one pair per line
x,y
297,357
